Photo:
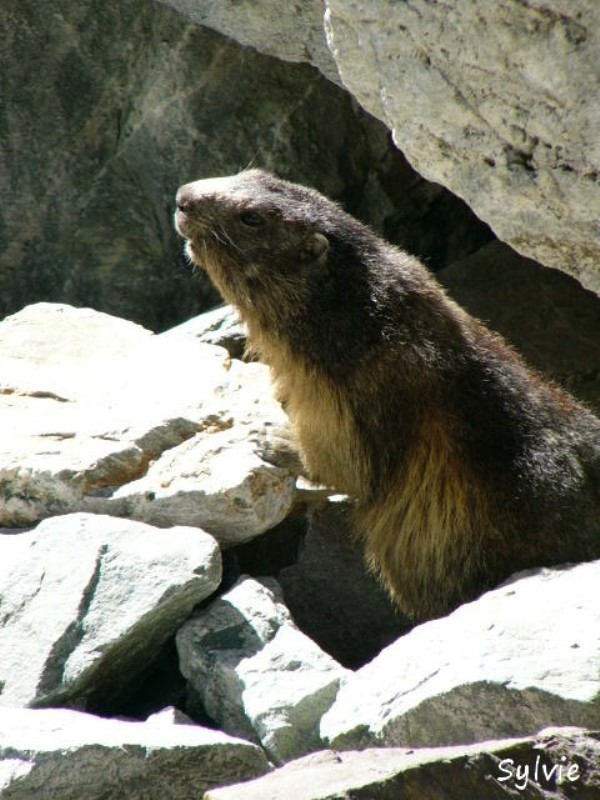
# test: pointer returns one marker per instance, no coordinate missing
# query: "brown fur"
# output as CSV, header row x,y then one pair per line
x,y
466,466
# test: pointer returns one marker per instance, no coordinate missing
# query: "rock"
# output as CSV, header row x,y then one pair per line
x,y
217,482
74,756
256,674
86,602
332,597
294,31
129,101
169,716
81,434
487,771
220,326
495,101
548,316
519,658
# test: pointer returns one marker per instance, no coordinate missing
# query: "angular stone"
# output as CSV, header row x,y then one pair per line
x,y
217,482
256,674
220,326
486,771
54,753
87,601
519,658
496,102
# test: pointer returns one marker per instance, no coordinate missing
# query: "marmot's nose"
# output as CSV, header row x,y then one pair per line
x,y
185,199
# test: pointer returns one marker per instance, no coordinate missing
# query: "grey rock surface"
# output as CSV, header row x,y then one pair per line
x,y
331,595
486,771
130,100
295,31
519,658
257,675
67,755
551,320
87,601
102,415
497,101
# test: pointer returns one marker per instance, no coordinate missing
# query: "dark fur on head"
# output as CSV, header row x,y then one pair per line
x,y
466,465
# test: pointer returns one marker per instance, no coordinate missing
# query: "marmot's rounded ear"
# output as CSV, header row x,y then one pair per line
x,y
315,247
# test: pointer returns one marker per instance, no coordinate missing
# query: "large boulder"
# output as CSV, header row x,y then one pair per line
x,y
68,755
519,658
130,100
86,602
496,101
256,674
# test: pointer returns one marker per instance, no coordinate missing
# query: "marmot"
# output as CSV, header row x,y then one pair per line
x,y
465,464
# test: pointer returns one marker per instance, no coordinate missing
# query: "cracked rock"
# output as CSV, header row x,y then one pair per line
x,y
257,675
118,590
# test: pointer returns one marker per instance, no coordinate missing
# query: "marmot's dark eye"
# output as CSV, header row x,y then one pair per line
x,y
252,219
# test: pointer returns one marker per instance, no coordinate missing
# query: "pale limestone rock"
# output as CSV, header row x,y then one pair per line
x,y
67,755
257,675
87,601
89,402
217,482
519,658
497,101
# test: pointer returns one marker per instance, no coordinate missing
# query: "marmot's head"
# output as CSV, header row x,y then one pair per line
x,y
258,237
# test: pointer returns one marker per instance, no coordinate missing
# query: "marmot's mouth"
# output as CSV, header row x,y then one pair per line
x,y
183,224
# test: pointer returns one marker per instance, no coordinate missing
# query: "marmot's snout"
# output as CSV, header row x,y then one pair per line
x,y
186,203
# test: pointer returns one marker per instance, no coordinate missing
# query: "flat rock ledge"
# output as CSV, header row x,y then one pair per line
x,y
558,763
68,755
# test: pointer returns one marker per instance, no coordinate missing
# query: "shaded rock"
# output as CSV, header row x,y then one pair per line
x,y
510,125
521,657
486,771
547,315
257,675
220,326
333,598
74,756
92,403
128,102
294,32
87,601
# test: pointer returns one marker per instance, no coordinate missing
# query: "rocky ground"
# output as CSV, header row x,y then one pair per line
x,y
180,611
